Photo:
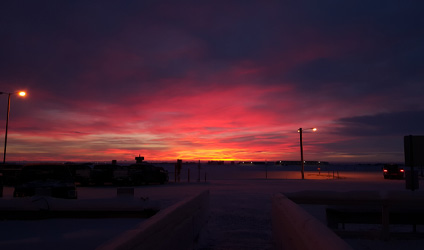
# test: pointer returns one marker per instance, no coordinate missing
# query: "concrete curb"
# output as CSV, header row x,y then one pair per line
x,y
293,228
176,227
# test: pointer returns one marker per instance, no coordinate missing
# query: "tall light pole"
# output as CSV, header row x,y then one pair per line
x,y
21,93
300,130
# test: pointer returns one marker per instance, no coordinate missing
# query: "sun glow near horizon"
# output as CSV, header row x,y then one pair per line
x,y
213,90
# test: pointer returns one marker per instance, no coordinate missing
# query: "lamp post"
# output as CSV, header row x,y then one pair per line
x,y
300,130
20,93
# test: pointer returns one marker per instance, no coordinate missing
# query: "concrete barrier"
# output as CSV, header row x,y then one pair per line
x,y
367,207
293,228
45,207
176,227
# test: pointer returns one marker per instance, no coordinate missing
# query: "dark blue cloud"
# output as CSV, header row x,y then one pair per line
x,y
53,39
383,124
371,45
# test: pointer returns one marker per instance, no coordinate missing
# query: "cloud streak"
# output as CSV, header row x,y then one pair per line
x,y
211,79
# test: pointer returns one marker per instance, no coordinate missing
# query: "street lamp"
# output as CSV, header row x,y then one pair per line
x,y
20,93
300,130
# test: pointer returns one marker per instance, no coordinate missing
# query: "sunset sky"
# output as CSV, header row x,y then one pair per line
x,y
211,80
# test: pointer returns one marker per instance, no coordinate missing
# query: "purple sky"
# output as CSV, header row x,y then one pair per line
x,y
229,80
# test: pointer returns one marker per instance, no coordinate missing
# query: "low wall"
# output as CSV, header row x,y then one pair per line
x,y
176,227
390,206
294,228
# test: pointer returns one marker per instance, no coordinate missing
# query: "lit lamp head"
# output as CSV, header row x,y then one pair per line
x,y
22,93
301,130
